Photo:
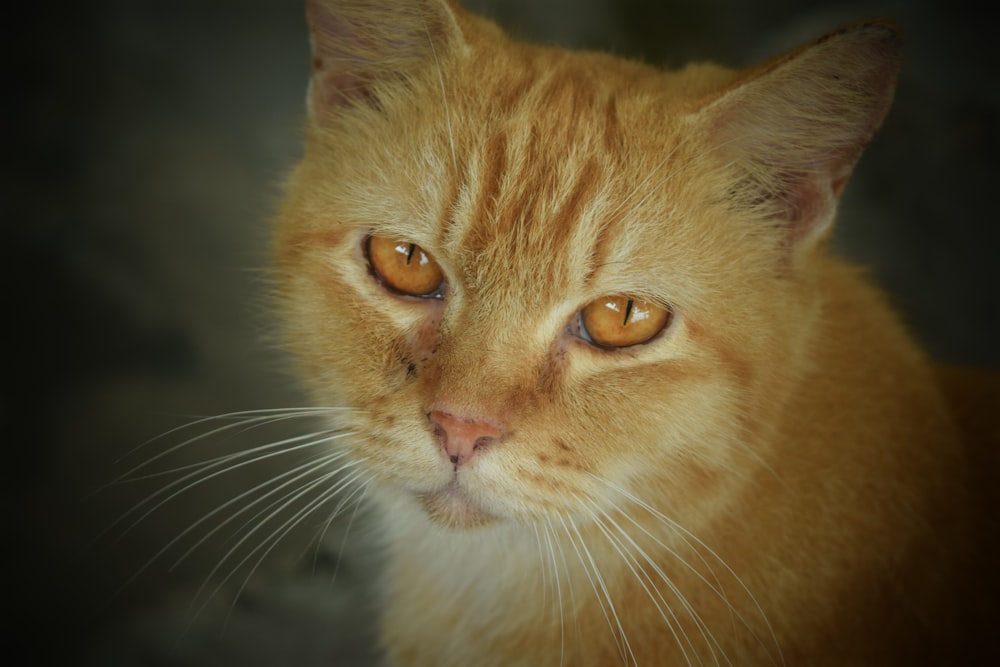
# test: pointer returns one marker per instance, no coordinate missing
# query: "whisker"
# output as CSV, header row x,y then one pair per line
x,y
223,458
347,530
269,540
673,623
543,569
706,633
304,470
558,585
709,638
275,537
551,535
689,535
244,418
308,467
604,596
199,476
716,588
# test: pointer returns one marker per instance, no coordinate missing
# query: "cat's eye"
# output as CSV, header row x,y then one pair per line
x,y
404,267
623,321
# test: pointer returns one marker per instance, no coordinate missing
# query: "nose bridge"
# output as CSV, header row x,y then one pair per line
x,y
483,362
474,364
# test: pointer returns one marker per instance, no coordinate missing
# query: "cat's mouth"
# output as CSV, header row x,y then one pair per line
x,y
452,506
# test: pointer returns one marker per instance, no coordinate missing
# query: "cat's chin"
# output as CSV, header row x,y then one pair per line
x,y
451,506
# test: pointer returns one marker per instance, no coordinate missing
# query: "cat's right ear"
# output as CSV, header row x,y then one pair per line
x,y
359,44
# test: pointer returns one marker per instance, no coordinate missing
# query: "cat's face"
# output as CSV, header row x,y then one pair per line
x,y
526,275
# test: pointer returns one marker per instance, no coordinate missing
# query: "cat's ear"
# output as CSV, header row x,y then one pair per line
x,y
795,127
357,44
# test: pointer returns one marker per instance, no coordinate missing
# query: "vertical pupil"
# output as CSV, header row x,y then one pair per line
x,y
628,312
409,254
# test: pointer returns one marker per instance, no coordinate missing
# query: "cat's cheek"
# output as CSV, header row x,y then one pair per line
x,y
420,343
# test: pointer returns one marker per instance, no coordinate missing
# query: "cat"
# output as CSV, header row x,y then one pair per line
x,y
613,400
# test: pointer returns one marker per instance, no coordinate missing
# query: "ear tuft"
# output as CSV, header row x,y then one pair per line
x,y
358,44
795,126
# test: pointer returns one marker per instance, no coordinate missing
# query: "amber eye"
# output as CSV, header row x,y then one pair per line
x,y
622,321
404,267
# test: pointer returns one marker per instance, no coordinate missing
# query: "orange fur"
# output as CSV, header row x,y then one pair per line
x,y
777,479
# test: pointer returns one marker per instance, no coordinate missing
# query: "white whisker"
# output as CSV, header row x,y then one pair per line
x,y
303,471
543,569
558,585
336,512
246,419
347,530
270,540
224,458
645,581
308,467
686,535
706,632
275,537
200,477
604,595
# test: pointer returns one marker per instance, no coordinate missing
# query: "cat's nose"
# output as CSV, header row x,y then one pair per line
x,y
461,438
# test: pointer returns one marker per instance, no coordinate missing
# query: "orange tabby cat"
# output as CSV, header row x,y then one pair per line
x,y
613,399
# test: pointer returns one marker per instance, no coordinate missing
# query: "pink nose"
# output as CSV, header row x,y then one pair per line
x,y
461,438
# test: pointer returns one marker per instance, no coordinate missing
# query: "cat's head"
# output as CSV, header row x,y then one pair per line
x,y
544,280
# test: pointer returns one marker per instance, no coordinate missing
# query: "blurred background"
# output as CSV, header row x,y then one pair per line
x,y
145,143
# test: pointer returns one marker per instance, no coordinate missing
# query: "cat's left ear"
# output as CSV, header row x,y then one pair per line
x,y
794,127
359,45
